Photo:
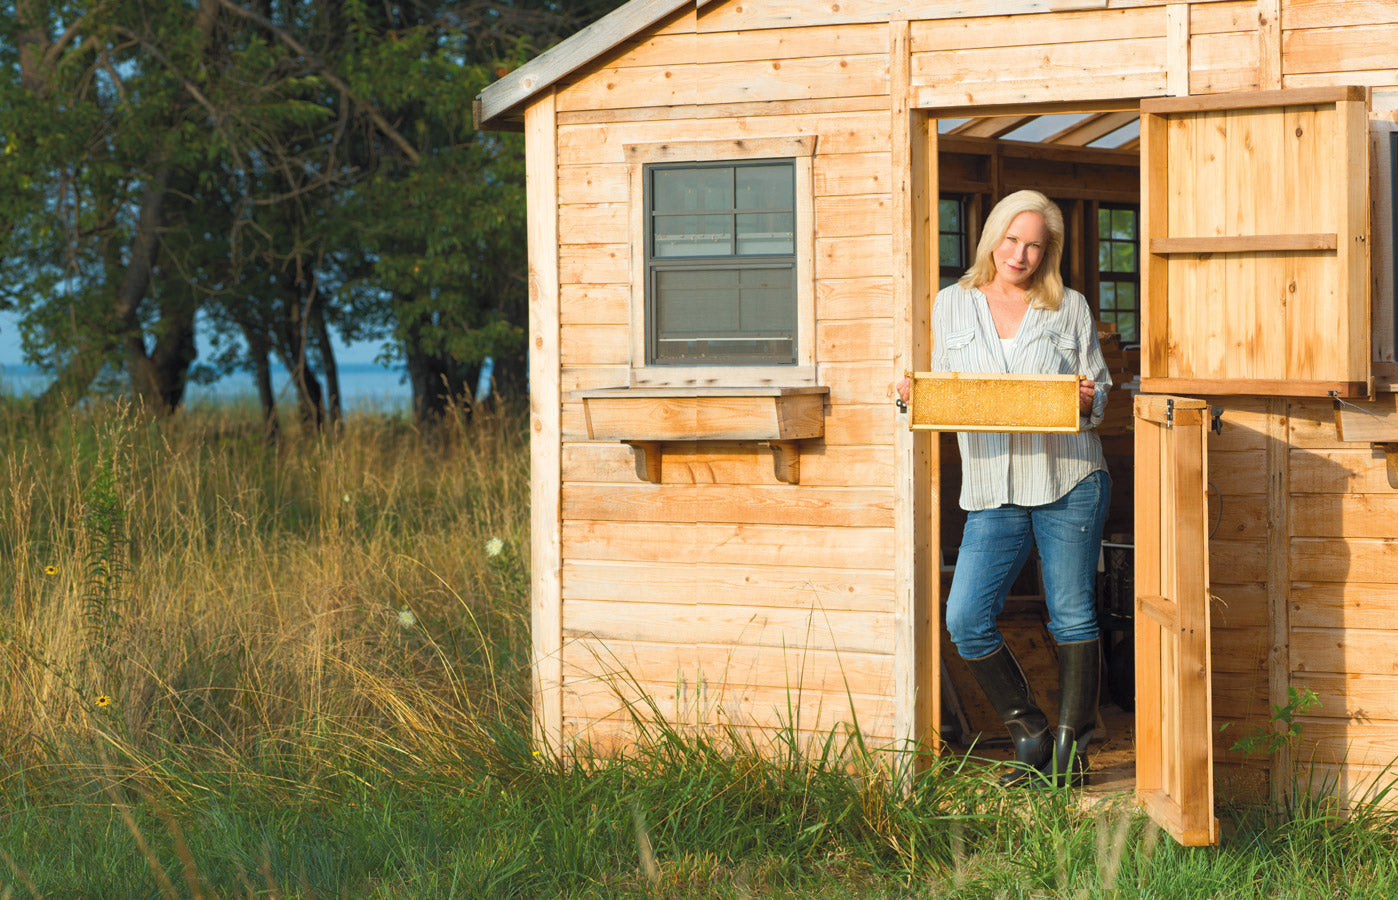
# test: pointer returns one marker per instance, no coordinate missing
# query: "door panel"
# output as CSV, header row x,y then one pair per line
x,y
1174,707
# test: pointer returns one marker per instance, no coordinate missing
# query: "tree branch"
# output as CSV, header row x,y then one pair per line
x,y
367,108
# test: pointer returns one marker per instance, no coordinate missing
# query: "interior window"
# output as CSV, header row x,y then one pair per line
x,y
721,263
951,239
1119,271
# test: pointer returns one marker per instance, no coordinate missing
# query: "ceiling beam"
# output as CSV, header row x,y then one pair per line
x,y
990,127
1080,134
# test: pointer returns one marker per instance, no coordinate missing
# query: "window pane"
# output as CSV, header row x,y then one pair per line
x,y
766,234
1125,295
949,215
1106,295
949,250
693,236
692,189
725,315
766,187
1123,257
1104,256
1124,224
1126,324
1104,223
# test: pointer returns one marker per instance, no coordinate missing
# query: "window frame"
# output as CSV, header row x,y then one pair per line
x,y
1113,276
728,262
800,151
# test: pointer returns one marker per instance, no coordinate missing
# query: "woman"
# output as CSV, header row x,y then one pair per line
x,y
1011,313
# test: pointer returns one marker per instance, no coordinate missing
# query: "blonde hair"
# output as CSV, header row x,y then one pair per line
x,y
1045,290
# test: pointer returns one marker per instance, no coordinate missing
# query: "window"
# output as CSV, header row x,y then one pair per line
x,y
1119,272
722,244
951,239
721,263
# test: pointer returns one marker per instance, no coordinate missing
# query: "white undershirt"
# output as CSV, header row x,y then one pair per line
x,y
1008,344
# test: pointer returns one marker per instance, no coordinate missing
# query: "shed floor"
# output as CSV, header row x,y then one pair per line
x,y
1112,761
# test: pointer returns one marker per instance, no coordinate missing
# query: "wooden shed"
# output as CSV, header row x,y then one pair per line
x,y
739,213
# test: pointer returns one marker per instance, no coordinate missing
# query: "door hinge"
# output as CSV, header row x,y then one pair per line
x,y
1169,413
1217,423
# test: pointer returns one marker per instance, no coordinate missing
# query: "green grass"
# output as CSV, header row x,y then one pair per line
x,y
317,674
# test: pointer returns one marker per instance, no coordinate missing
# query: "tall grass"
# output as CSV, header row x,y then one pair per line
x,y
301,671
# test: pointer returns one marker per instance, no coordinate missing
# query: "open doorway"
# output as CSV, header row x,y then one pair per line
x,y
1089,163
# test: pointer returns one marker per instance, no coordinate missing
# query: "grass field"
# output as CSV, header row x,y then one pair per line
x,y
229,670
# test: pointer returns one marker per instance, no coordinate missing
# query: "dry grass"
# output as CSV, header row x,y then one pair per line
x,y
329,604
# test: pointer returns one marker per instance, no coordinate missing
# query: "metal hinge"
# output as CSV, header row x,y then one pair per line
x,y
1217,423
1169,413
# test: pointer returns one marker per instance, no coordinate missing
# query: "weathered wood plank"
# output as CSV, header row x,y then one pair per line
x,y
1352,48
856,215
593,223
743,544
721,47
681,581
709,623
1346,516
1357,695
592,184
1329,14
1242,606
697,111
1337,560
594,345
594,304
852,173
1050,28
594,263
797,668
866,382
1238,650
760,504
724,463
853,298
1239,561
1342,606
854,341
729,82
861,257
1342,652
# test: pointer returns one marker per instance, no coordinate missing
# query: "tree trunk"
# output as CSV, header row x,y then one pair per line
x,y
258,350
327,360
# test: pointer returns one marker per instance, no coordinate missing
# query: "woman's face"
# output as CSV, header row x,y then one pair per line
x,y
1020,250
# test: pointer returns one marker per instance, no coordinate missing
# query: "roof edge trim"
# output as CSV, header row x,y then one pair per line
x,y
567,56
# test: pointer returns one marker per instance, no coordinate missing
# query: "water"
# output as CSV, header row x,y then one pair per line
x,y
362,386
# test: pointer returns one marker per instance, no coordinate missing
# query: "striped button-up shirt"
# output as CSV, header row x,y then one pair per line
x,y
1023,469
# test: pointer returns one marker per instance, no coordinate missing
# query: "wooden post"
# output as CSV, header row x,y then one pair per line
x,y
545,424
916,578
1279,578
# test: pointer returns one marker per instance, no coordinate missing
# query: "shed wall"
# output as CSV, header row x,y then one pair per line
x,y
728,596
722,593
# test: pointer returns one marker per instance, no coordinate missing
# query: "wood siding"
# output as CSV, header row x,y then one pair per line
x,y
724,595
728,596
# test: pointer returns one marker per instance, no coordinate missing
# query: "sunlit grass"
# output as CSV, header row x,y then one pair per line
x,y
234,670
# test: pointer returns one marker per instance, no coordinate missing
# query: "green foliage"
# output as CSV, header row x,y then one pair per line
x,y
1286,731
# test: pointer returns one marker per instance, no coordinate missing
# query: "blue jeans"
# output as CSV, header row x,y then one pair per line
x,y
994,548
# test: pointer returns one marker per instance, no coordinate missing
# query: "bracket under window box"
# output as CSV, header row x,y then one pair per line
x,y
648,418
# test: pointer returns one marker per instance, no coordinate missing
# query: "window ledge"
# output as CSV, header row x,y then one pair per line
x,y
648,418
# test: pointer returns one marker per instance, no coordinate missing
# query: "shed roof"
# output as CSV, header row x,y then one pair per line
x,y
500,105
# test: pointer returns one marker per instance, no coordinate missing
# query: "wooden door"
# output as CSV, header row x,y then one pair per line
x,y
1254,243
1174,707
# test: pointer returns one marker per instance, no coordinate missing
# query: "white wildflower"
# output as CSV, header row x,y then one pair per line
x,y
494,546
406,618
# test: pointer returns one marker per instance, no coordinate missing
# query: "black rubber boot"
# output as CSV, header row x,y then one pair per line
x,y
1004,685
1078,679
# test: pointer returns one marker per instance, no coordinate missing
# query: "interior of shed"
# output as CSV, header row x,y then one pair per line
x,y
1089,163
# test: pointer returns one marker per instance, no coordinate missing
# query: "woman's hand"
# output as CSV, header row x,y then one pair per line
x,y
905,389
1087,392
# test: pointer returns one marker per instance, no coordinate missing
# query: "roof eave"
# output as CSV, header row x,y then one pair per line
x,y
500,107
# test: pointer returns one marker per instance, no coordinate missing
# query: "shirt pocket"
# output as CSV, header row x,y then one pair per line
x,y
961,348
1063,350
